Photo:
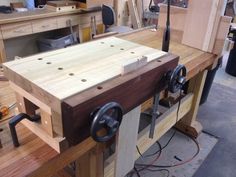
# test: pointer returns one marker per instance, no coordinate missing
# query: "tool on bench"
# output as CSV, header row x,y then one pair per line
x,y
176,78
166,36
15,120
4,110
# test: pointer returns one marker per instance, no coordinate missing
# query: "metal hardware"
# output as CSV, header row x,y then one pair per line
x,y
155,115
108,117
15,120
176,78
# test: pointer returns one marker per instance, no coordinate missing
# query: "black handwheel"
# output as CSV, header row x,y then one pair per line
x,y
177,78
108,117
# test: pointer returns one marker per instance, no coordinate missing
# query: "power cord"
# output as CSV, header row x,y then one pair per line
x,y
151,166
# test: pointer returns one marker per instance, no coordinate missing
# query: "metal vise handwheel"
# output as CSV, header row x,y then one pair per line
x,y
177,78
108,117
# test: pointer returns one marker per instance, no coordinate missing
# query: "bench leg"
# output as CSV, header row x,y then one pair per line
x,y
189,123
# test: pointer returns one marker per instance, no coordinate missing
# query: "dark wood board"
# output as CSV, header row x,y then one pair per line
x,y
129,91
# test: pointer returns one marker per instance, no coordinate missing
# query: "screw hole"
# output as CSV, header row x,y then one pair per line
x,y
60,68
71,74
83,80
99,88
111,45
49,63
159,61
40,59
132,52
122,49
102,42
1,129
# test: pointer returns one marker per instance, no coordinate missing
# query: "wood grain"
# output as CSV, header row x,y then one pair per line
x,y
129,90
199,23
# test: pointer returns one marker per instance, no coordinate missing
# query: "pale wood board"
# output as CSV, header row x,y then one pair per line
x,y
61,9
44,25
16,29
177,17
2,52
126,142
219,13
200,23
94,3
88,63
221,35
133,11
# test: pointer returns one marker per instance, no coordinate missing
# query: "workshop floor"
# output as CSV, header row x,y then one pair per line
x,y
218,117
217,157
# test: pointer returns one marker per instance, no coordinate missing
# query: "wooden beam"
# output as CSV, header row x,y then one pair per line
x,y
133,11
189,123
199,23
2,51
126,142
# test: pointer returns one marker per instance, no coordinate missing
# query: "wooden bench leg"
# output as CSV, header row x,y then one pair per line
x,y
189,123
91,164
126,143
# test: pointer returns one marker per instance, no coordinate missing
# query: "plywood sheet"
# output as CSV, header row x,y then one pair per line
x,y
65,72
199,23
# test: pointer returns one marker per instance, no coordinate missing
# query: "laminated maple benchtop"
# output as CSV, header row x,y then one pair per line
x,y
68,84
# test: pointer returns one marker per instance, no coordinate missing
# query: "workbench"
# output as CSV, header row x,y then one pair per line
x,y
20,24
35,158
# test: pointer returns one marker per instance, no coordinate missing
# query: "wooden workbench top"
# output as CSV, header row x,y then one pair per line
x,y
39,14
194,59
34,152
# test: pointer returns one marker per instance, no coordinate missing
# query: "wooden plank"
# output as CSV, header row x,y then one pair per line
x,y
2,52
200,23
134,14
61,8
221,34
44,25
133,64
189,123
219,13
61,3
177,17
129,91
94,3
126,142
59,144
16,29
163,124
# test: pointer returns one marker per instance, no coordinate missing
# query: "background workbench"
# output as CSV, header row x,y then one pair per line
x,y
33,152
21,24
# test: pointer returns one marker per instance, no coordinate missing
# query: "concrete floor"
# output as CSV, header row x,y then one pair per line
x,y
218,117
217,157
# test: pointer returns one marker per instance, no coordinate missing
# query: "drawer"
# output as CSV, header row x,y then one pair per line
x,y
44,25
62,22
16,29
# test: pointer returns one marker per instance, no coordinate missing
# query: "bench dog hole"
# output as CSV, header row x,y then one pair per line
x,y
99,87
